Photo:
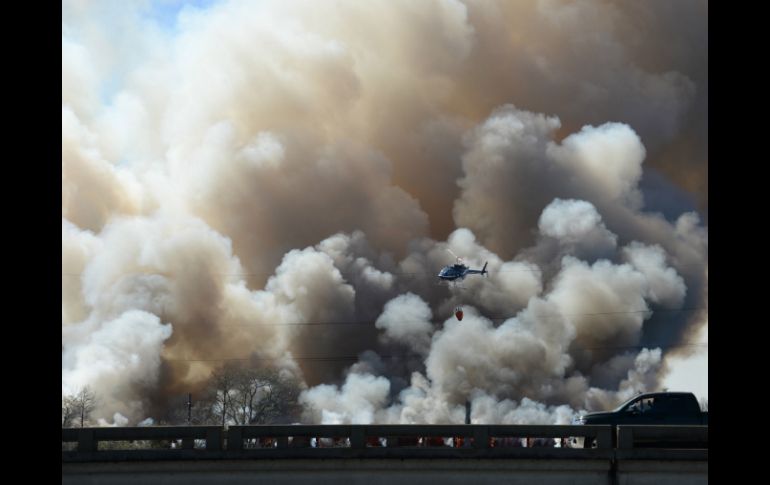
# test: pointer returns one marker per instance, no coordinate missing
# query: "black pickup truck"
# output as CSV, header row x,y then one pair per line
x,y
654,408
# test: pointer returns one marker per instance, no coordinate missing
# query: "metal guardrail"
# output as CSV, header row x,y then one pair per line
x,y
375,441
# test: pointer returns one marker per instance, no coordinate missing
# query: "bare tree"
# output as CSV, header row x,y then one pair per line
x,y
281,401
68,411
264,395
250,395
248,386
223,382
84,404
204,408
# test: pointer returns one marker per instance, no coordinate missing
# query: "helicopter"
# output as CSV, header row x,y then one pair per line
x,y
459,271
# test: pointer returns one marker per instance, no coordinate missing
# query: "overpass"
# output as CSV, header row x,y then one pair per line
x,y
385,454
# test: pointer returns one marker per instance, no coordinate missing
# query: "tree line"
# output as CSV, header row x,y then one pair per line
x,y
235,395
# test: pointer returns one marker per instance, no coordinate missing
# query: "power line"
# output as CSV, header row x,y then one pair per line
x,y
627,312
371,323
347,358
368,323
328,358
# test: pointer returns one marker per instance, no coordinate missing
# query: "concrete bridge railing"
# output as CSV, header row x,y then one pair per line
x,y
384,455
361,441
680,436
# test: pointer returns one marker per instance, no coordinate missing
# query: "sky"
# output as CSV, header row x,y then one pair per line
x,y
274,182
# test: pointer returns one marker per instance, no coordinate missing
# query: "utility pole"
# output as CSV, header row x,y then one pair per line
x,y
189,409
467,412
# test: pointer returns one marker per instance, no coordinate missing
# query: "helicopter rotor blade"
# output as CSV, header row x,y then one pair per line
x,y
458,258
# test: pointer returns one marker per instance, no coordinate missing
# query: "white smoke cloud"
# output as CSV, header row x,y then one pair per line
x,y
354,403
643,376
539,355
234,192
422,403
77,248
114,358
608,158
177,267
577,225
486,409
118,420
665,286
307,277
512,160
92,188
369,272
473,354
146,422
407,319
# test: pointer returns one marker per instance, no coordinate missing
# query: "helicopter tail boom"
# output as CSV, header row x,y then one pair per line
x,y
481,271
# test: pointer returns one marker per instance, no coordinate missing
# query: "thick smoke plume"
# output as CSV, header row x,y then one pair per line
x,y
280,182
